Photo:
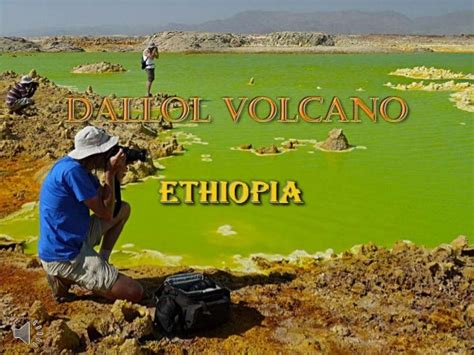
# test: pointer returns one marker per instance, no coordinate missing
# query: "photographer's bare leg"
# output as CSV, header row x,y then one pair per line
x,y
112,229
125,287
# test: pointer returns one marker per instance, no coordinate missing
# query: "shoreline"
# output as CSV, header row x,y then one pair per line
x,y
129,255
216,42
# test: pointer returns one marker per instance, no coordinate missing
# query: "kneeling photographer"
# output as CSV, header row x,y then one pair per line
x,y
68,233
20,95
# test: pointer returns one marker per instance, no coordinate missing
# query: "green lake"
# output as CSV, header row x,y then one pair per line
x,y
414,181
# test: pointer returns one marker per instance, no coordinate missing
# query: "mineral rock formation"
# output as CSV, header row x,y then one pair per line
x,y
431,73
38,312
138,171
291,144
177,41
10,244
419,85
126,319
5,131
60,337
336,141
300,39
101,67
246,146
17,44
273,149
58,44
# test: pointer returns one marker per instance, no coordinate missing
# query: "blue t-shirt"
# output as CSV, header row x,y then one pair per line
x,y
64,218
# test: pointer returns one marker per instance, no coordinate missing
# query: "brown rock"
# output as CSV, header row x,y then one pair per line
x,y
246,146
134,320
33,263
5,131
138,171
336,140
130,347
459,243
341,330
470,312
468,273
97,328
33,74
446,320
148,130
89,90
10,244
101,67
38,312
290,145
442,252
60,337
273,149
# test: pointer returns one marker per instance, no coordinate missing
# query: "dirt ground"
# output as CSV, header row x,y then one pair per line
x,y
371,300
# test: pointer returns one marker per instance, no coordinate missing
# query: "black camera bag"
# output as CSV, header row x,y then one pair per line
x,y
190,301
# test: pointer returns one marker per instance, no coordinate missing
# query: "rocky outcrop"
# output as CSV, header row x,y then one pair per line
x,y
125,320
10,244
178,41
464,100
336,141
139,170
38,313
299,39
60,337
432,86
97,68
36,132
17,44
430,73
273,149
291,144
6,131
58,44
463,95
181,41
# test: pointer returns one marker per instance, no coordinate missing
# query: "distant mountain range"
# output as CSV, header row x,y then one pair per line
x,y
347,22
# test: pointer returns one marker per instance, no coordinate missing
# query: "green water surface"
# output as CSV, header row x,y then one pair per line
x,y
414,180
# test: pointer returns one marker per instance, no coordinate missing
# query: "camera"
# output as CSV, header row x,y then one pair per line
x,y
131,155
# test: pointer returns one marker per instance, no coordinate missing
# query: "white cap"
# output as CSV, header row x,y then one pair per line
x,y
92,140
26,80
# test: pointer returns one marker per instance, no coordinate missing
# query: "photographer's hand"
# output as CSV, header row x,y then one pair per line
x,y
116,162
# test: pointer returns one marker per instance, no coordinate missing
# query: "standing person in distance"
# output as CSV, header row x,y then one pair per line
x,y
148,63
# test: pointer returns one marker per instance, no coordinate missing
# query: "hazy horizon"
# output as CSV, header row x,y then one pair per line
x,y
24,17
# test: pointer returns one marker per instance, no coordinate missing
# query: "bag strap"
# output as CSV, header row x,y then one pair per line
x,y
205,309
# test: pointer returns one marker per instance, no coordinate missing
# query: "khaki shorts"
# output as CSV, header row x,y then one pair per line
x,y
88,269
150,74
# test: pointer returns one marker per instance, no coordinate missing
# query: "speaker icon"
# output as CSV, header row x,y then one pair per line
x,y
22,333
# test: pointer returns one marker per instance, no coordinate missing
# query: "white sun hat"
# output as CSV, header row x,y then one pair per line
x,y
25,79
92,140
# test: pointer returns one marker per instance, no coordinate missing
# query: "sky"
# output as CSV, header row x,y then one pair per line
x,y
18,16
